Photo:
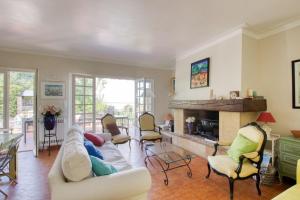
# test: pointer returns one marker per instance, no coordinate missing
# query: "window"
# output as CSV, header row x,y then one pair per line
x,y
83,101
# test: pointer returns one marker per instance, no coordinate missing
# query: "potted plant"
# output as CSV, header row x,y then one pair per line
x,y
190,124
50,113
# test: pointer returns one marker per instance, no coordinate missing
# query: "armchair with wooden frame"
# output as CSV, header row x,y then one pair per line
x,y
119,138
148,130
249,163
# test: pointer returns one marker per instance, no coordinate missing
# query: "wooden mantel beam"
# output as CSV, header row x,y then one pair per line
x,y
229,105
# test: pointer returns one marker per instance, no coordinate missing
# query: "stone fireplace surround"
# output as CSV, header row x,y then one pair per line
x,y
233,114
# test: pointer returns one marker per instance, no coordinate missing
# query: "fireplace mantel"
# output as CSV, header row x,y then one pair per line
x,y
228,105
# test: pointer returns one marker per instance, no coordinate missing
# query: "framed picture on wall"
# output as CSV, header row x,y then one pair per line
x,y
200,74
53,90
296,83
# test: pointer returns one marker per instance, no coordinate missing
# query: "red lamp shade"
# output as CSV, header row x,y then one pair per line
x,y
168,117
266,117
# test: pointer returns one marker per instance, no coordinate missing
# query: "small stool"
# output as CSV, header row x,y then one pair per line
x,y
49,135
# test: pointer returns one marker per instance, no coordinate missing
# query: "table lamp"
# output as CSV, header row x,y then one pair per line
x,y
170,120
266,117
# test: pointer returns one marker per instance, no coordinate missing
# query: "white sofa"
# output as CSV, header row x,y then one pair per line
x,y
127,184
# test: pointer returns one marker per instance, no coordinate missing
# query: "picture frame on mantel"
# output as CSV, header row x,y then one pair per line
x,y
296,83
53,90
200,74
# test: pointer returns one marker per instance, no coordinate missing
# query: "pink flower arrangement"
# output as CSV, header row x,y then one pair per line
x,y
51,110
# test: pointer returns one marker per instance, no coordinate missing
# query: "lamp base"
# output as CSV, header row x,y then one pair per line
x,y
267,129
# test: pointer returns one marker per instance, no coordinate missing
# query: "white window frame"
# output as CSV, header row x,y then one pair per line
x,y
150,94
93,121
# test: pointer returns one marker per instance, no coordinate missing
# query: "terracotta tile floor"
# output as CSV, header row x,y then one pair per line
x,y
32,180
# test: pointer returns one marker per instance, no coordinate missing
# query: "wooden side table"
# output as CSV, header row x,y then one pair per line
x,y
289,153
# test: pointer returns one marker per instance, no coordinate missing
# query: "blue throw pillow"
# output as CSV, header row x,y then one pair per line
x,y
100,168
92,150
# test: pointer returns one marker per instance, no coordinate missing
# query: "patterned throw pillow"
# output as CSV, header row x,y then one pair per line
x,y
113,129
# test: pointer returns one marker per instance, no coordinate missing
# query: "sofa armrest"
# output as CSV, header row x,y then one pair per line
x,y
121,185
106,136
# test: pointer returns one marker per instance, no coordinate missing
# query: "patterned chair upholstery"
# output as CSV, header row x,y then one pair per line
x,y
148,130
249,163
116,139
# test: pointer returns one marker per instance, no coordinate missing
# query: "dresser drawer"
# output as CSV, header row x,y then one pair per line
x,y
290,147
289,158
286,169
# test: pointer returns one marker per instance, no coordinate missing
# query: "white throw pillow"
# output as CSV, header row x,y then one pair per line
x,y
76,163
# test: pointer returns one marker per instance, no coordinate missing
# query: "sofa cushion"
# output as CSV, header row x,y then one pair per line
x,y
92,150
114,157
100,168
113,129
76,164
95,139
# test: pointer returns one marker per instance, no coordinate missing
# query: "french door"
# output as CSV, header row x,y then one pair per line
x,y
2,98
18,104
84,101
144,96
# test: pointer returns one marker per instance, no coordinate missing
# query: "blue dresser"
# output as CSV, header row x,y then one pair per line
x,y
289,153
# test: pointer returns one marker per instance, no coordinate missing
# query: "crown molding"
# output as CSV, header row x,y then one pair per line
x,y
285,27
280,29
83,58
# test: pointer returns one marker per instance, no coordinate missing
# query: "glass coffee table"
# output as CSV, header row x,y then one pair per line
x,y
169,157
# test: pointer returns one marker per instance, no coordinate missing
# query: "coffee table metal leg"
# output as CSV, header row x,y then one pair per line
x,y
187,164
147,157
166,180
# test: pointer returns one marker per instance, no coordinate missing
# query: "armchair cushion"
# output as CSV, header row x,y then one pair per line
x,y
241,145
117,139
150,135
113,129
226,165
251,155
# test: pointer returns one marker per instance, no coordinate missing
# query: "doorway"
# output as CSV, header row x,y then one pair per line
x,y
18,105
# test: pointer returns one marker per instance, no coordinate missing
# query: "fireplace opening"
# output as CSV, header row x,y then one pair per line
x,y
206,124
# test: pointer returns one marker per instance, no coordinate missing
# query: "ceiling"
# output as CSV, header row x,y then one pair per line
x,y
146,33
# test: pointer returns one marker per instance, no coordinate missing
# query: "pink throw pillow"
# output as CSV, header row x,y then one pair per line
x,y
95,139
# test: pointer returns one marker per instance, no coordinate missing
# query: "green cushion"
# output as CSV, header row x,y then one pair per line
x,y
240,146
100,168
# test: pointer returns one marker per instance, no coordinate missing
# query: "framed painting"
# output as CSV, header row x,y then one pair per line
x,y
296,83
53,90
200,74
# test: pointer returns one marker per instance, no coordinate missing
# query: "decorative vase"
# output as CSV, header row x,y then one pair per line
x,y
49,122
190,127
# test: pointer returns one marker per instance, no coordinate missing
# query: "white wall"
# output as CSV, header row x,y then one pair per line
x,y
56,68
225,70
275,54
251,74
